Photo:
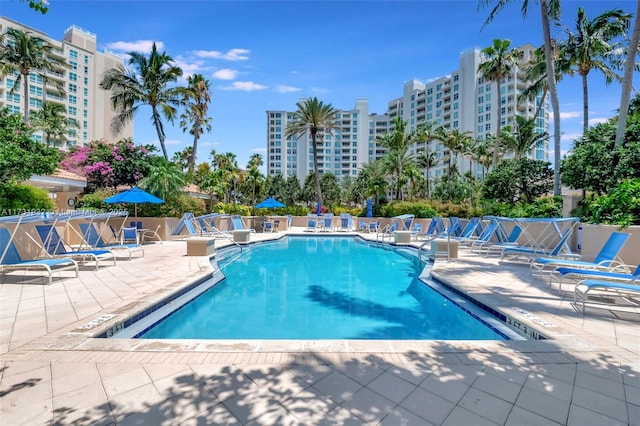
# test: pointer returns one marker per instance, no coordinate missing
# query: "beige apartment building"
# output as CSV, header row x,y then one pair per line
x,y
84,100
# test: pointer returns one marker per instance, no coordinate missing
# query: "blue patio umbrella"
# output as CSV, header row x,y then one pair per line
x,y
269,203
369,207
134,195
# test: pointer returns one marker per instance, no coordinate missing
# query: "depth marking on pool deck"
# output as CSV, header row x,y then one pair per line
x,y
96,321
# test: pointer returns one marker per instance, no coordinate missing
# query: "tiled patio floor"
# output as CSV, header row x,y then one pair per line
x,y
53,372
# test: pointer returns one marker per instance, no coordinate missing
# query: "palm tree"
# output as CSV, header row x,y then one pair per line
x,y
549,10
255,161
255,180
522,138
312,116
456,142
51,120
25,53
194,118
397,157
427,159
481,151
165,180
536,72
145,84
497,65
375,177
590,47
627,79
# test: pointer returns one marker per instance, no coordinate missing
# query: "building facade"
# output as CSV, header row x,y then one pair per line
x,y
463,100
341,151
85,102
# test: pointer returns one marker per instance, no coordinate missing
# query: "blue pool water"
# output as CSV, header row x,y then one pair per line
x,y
322,288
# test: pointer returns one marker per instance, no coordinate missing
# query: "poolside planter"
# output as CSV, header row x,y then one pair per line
x,y
241,236
402,237
201,246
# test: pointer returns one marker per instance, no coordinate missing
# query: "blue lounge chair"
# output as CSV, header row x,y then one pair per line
x,y
326,223
10,259
435,228
237,223
484,238
511,241
92,237
455,226
469,229
607,255
417,229
346,222
56,247
585,287
313,222
529,252
615,274
267,226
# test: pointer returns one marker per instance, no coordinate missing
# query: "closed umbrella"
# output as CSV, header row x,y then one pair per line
x,y
135,196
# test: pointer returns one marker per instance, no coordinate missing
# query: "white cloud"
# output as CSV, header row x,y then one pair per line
x,y
134,46
208,143
570,114
569,137
172,142
231,55
225,74
189,68
247,86
283,88
597,120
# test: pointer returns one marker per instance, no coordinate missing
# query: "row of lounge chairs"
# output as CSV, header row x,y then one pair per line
x,y
50,252
548,252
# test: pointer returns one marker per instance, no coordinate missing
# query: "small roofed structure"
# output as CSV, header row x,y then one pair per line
x,y
63,186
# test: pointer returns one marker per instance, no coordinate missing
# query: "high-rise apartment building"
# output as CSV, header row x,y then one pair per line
x,y
341,151
463,100
84,100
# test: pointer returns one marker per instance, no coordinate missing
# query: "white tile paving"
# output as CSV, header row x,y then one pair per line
x,y
51,372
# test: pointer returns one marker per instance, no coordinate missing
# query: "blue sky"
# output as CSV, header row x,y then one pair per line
x,y
263,55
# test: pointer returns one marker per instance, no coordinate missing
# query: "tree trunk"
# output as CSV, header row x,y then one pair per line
x,y
156,123
627,81
496,144
25,96
192,157
315,165
585,105
553,93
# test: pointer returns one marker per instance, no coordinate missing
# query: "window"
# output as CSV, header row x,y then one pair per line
x,y
73,76
34,78
85,113
480,99
13,97
35,90
10,83
487,117
85,91
86,69
456,77
73,88
86,81
487,127
73,54
487,97
456,87
455,96
86,59
35,102
72,99
73,65
73,110
85,124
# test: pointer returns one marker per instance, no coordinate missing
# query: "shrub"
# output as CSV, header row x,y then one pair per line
x,y
620,207
18,198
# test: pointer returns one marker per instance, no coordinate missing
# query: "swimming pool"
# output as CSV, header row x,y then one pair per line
x,y
323,288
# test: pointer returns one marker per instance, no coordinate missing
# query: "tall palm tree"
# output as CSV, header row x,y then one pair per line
x,y
254,180
592,46
536,73
522,138
146,84
498,64
194,118
165,180
549,11
312,116
627,79
397,157
481,151
255,161
26,53
427,159
456,142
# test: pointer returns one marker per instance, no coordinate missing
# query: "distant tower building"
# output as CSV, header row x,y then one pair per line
x,y
462,100
340,152
85,101
466,101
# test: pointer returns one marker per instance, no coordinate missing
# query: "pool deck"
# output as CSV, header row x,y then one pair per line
x,y
52,371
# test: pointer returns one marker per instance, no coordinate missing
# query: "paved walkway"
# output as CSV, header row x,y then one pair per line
x,y
52,371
